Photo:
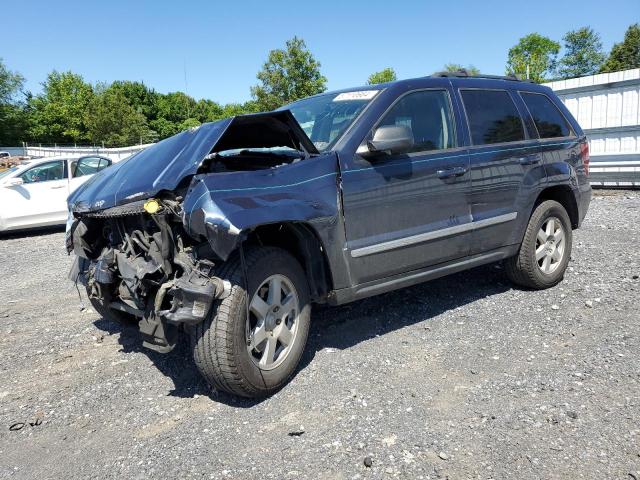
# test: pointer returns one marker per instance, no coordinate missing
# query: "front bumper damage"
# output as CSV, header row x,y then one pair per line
x,y
144,265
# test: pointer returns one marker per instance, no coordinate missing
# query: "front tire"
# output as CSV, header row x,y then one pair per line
x,y
545,250
254,355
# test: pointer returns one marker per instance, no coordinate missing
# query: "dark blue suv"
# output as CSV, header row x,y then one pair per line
x,y
230,231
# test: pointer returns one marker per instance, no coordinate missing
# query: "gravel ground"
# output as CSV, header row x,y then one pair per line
x,y
463,377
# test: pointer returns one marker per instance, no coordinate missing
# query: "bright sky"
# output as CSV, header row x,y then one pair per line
x,y
223,44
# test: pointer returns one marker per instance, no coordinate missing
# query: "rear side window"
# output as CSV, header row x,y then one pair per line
x,y
548,119
493,117
88,166
428,114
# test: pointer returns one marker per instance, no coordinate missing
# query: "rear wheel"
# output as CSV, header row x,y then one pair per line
x,y
545,249
253,351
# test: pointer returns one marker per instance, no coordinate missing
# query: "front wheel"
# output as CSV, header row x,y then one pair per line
x,y
253,351
545,250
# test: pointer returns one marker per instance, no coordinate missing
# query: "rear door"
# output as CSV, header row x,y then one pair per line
x,y
408,211
506,169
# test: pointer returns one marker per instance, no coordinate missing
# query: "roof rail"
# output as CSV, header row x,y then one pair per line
x,y
464,73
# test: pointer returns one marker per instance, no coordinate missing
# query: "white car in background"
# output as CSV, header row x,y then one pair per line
x,y
35,193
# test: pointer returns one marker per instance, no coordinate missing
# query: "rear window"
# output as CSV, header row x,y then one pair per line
x,y
548,119
493,117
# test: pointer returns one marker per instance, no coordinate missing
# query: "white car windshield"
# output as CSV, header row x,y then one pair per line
x,y
326,117
7,172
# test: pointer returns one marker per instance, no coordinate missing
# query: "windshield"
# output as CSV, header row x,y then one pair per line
x,y
325,117
7,172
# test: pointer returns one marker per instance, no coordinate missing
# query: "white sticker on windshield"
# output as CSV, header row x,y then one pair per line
x,y
360,95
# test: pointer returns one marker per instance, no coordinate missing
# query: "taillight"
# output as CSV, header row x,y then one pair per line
x,y
584,153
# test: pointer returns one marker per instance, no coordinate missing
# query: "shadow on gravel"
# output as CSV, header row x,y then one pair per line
x,y
345,326
177,364
36,232
331,327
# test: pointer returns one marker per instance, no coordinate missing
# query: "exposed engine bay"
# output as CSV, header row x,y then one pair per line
x,y
138,260
249,160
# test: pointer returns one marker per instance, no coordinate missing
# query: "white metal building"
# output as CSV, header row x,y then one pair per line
x,y
607,107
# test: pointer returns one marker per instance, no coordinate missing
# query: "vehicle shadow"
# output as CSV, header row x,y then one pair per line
x,y
34,232
343,327
331,327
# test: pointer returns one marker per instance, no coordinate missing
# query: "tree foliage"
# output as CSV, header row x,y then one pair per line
x,y
383,76
456,67
142,98
58,113
535,51
110,118
289,74
13,119
11,84
583,53
626,54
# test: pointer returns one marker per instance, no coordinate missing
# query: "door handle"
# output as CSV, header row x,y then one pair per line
x,y
55,188
529,159
452,172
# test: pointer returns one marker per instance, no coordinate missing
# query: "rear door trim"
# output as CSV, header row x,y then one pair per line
x,y
428,236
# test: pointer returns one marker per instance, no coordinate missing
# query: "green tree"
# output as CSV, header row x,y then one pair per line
x,y
383,76
110,119
190,123
11,84
536,52
164,128
583,53
625,55
12,113
58,113
176,107
288,74
208,111
142,98
456,67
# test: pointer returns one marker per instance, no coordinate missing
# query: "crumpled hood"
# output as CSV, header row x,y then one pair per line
x,y
164,165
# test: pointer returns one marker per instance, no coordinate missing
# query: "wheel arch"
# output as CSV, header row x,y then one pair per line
x,y
563,194
301,241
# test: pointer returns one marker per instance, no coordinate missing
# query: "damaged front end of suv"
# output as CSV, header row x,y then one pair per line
x,y
151,233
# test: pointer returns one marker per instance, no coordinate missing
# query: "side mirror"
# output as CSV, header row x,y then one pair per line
x,y
14,182
391,139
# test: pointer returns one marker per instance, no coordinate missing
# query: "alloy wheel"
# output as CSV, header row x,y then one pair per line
x,y
550,245
272,323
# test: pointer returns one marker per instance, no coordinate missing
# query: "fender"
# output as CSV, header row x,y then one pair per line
x,y
305,191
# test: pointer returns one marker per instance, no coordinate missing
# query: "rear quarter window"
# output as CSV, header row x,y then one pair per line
x,y
548,119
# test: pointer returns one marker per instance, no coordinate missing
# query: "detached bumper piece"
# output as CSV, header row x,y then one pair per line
x,y
192,295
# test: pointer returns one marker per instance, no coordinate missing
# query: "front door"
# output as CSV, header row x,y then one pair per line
x,y
41,199
408,211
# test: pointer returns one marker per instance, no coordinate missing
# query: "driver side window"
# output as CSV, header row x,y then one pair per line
x,y
45,172
428,114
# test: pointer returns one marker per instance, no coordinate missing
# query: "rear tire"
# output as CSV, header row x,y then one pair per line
x,y
545,250
257,357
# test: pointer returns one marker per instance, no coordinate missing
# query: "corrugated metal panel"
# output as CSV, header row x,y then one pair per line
x,y
607,107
